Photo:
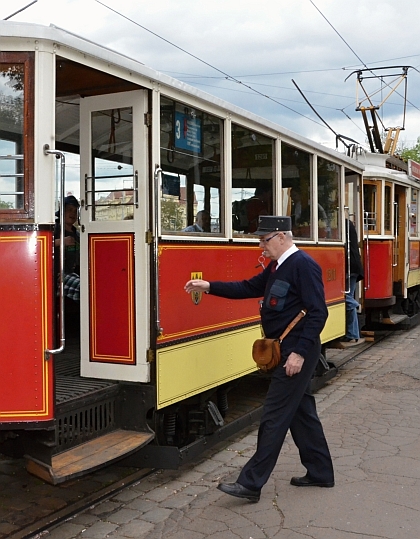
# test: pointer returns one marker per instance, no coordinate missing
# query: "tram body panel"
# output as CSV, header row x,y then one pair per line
x,y
222,350
26,329
183,315
414,255
187,369
378,274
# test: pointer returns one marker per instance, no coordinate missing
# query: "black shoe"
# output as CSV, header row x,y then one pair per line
x,y
306,481
235,489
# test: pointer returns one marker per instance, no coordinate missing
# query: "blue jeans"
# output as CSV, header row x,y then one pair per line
x,y
352,323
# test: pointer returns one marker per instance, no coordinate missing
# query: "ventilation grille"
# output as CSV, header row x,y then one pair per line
x,y
84,424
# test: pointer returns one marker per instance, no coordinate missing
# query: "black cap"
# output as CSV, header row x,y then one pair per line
x,y
71,201
273,223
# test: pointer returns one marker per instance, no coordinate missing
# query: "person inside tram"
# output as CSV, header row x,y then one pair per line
x,y
259,204
301,214
71,279
202,223
352,336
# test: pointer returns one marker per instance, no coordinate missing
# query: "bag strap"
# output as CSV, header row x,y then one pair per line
x,y
292,324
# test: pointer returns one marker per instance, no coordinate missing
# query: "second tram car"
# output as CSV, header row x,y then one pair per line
x,y
391,190
152,365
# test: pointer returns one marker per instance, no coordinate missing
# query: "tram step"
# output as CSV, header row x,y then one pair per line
x,y
394,319
88,456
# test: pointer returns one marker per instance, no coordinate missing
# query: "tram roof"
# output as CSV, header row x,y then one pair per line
x,y
64,38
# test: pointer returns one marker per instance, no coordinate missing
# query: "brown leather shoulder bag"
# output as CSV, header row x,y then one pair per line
x,y
266,352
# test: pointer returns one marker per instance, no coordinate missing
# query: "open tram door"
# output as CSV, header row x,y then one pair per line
x,y
400,243
104,420
114,253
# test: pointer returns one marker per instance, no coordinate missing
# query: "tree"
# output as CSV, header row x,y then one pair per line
x,y
172,215
6,205
412,153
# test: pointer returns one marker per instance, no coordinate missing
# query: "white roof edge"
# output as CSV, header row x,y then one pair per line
x,y
68,39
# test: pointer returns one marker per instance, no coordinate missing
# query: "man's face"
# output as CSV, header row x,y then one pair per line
x,y
203,220
272,244
70,214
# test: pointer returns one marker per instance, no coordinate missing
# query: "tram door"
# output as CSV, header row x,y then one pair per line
x,y
400,244
114,267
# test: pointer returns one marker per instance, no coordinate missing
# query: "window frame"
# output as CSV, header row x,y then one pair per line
x,y
376,185
28,211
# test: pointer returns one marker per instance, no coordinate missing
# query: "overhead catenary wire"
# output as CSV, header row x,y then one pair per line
x,y
226,75
235,78
358,57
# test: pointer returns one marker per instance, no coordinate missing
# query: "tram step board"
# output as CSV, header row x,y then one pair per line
x,y
89,456
394,319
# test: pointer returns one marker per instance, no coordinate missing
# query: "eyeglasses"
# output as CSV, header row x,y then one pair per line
x,y
268,239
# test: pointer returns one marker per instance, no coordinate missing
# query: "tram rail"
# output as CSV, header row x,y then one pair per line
x,y
21,490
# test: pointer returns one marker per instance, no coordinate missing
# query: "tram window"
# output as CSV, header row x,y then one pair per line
x,y
252,178
296,166
388,209
414,212
191,157
371,206
328,199
114,183
16,135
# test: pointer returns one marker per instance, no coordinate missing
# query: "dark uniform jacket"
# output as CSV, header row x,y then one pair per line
x,y
295,285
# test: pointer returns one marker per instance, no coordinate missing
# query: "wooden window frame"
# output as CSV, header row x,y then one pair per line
x,y
378,199
26,214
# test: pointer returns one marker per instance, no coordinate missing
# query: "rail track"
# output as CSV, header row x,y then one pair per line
x,y
29,507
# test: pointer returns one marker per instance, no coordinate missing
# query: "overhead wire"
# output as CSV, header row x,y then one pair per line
x,y
226,75
284,98
357,56
236,78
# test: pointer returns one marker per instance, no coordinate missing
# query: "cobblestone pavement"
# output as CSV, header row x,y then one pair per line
x,y
371,416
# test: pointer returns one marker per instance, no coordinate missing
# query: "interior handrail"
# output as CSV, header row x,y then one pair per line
x,y
62,340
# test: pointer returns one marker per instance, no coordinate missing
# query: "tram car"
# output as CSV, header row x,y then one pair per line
x,y
391,236
151,366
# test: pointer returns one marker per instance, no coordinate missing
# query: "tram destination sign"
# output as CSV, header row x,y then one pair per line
x,y
414,169
187,132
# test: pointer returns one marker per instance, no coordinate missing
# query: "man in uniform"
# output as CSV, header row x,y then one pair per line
x,y
290,283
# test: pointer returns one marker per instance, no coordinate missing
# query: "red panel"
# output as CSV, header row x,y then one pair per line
x,y
181,317
378,270
26,326
414,254
331,260
111,298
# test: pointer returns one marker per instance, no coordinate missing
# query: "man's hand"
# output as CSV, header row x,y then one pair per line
x,y
197,285
293,364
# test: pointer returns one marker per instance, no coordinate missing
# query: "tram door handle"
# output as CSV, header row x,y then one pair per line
x,y
61,156
157,179
367,265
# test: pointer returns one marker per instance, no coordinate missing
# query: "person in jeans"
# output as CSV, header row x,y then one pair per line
x,y
352,336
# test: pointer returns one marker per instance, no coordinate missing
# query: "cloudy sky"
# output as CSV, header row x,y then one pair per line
x,y
250,52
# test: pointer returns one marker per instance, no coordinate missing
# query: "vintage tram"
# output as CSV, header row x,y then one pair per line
x,y
391,190
150,366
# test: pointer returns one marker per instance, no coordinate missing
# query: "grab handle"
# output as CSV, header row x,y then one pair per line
x,y
61,156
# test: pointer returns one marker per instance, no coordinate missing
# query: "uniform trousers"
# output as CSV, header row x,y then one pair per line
x,y
289,405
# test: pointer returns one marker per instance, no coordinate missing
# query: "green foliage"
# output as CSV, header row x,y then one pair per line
x,y
172,215
6,205
412,153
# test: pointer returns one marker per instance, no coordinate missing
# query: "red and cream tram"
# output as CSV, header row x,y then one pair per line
x,y
143,154
391,190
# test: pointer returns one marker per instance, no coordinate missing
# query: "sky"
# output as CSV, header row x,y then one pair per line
x,y
249,53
